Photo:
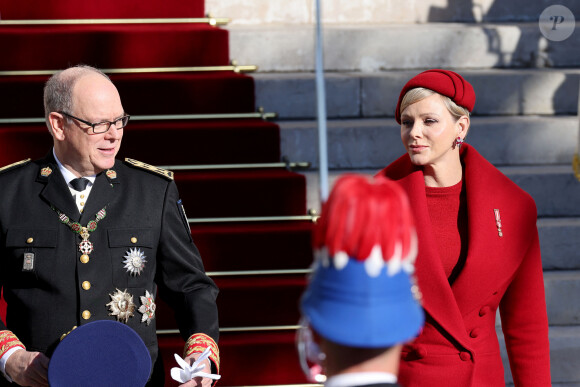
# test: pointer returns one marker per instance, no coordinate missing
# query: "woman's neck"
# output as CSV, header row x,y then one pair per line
x,y
445,175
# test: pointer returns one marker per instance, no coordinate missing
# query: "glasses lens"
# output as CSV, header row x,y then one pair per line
x,y
101,127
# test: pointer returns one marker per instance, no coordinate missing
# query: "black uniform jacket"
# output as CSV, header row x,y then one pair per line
x,y
143,215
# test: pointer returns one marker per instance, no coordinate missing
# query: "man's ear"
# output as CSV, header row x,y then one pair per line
x,y
56,121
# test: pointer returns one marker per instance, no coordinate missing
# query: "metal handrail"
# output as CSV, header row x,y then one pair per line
x,y
249,219
169,117
239,329
138,70
286,165
257,272
212,21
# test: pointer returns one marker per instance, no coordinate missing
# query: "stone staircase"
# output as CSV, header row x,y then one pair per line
x,y
525,118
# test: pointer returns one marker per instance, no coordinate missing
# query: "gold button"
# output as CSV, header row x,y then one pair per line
x,y
30,240
86,315
86,285
133,240
84,258
82,203
82,196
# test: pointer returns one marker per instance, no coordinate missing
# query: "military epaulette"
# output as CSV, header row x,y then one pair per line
x,y
151,168
14,165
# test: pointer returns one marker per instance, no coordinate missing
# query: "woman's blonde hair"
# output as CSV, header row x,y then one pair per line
x,y
419,93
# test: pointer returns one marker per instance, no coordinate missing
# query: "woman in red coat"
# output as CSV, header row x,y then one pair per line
x,y
478,248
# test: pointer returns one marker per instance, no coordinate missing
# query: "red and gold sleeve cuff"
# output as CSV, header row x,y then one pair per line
x,y
197,343
8,340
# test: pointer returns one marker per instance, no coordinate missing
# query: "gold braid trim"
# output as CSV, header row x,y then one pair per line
x,y
8,340
576,165
197,343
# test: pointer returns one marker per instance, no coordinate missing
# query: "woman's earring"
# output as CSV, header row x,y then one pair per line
x,y
458,142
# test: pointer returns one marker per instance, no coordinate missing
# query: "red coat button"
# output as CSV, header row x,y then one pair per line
x,y
421,352
474,333
483,311
465,356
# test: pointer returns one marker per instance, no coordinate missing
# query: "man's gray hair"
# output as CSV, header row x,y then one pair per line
x,y
58,89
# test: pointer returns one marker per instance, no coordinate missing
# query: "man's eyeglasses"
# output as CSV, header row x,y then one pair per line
x,y
104,126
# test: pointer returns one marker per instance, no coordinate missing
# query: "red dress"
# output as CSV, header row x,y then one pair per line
x,y
458,345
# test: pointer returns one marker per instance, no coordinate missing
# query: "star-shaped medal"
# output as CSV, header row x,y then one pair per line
x,y
147,308
121,305
134,261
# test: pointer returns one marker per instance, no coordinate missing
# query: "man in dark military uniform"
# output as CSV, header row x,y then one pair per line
x,y
73,252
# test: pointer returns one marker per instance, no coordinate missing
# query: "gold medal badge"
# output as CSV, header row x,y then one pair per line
x,y
121,305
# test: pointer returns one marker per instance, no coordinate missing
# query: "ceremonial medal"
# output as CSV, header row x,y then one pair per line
x,y
135,261
147,307
85,246
46,171
28,264
121,305
498,222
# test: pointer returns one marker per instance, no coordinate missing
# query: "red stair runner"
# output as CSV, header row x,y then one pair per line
x,y
248,358
176,142
254,246
145,94
99,9
112,46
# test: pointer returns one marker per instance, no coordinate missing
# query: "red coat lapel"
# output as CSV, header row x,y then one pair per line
x,y
491,259
438,298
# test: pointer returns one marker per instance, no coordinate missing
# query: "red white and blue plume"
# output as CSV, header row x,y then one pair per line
x,y
369,221
362,292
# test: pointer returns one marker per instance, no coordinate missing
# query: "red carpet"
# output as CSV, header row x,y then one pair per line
x,y
269,245
250,301
145,94
112,46
164,143
99,9
242,193
252,357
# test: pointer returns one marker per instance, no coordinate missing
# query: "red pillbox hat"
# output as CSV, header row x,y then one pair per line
x,y
444,82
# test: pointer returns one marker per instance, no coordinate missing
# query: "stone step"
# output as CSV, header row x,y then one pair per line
x,y
252,12
554,188
368,95
381,46
562,295
564,356
374,143
560,243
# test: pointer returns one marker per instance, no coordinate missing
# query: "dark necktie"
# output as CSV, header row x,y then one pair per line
x,y
79,184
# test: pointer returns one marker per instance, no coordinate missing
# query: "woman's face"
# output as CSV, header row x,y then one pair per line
x,y
428,131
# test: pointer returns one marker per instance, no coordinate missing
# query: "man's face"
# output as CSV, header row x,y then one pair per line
x,y
95,99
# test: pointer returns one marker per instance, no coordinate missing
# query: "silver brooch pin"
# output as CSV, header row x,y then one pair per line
x,y
147,307
121,305
134,261
498,222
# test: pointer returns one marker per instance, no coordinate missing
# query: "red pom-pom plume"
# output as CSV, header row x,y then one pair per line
x,y
362,213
